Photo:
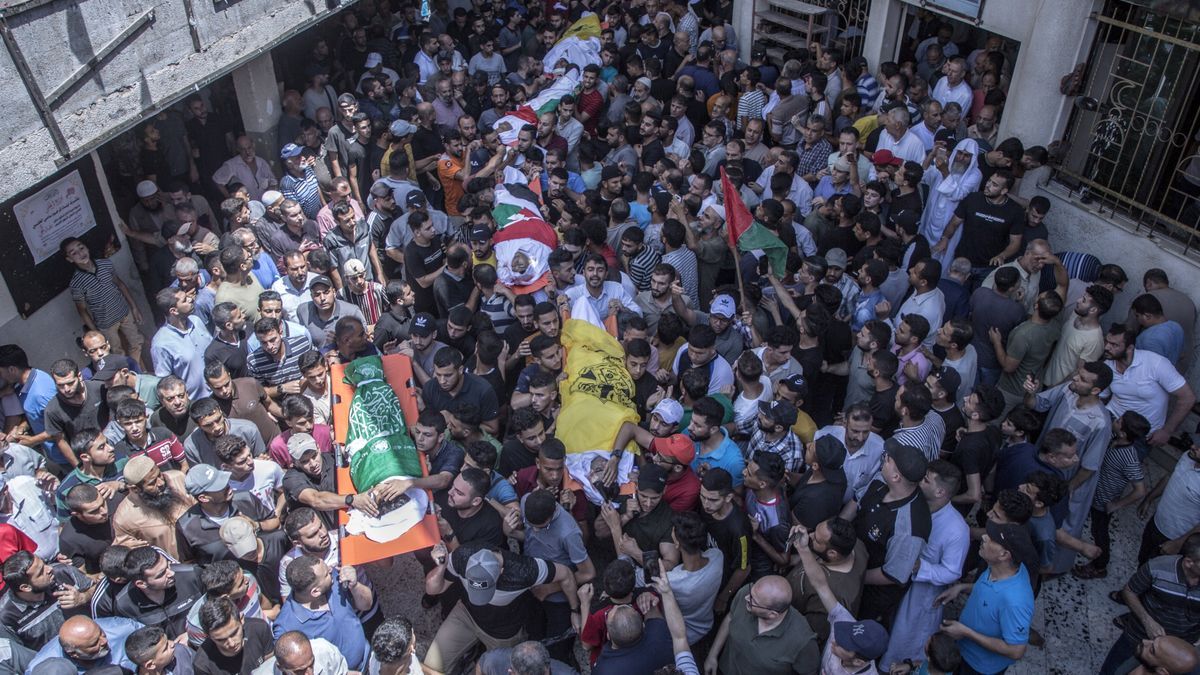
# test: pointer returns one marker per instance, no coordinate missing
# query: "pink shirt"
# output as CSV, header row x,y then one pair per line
x,y
279,452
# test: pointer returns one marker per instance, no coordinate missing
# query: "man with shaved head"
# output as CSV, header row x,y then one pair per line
x,y
87,644
1164,655
295,653
764,634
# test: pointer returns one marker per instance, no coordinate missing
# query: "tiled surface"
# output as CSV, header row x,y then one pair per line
x,y
1074,616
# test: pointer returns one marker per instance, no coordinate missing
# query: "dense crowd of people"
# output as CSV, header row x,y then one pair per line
x,y
918,409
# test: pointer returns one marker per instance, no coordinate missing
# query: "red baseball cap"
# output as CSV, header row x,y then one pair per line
x,y
676,446
885,157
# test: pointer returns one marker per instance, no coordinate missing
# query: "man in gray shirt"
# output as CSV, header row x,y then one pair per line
x,y
211,425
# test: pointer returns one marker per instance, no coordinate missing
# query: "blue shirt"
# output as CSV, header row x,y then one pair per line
x,y
115,628
998,609
1014,463
502,490
574,182
340,624
175,352
640,213
727,456
826,189
1164,339
264,269
34,395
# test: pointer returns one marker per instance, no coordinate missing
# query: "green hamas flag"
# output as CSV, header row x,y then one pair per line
x,y
758,237
377,439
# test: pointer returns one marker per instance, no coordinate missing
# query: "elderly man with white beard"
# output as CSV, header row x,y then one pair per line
x,y
957,175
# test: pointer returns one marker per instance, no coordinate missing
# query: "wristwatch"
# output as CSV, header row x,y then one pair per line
x,y
349,500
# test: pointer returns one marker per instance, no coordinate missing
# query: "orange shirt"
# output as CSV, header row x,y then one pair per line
x,y
448,168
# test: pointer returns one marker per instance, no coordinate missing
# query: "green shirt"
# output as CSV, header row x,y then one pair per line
x,y
725,402
1030,343
790,647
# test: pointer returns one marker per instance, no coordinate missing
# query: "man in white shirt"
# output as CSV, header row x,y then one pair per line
x,y
292,287
897,137
604,297
926,299
953,86
1144,382
864,449
295,653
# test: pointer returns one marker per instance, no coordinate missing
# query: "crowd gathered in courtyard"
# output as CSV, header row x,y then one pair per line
x,y
869,431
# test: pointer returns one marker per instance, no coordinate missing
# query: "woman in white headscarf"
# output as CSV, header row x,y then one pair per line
x,y
950,180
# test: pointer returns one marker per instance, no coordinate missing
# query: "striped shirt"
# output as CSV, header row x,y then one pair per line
x,y
372,303
926,436
304,190
1121,467
642,266
788,446
1162,587
499,309
683,259
270,372
750,107
98,291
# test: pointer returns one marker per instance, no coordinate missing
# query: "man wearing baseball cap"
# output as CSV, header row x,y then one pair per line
x,y
497,605
853,645
893,522
818,495
674,454
311,482
662,422
794,390
773,433
216,503
721,315
993,629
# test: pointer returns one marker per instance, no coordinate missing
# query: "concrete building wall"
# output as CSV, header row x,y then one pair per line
x,y
154,67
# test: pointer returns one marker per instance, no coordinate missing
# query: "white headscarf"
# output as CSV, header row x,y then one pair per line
x,y
957,186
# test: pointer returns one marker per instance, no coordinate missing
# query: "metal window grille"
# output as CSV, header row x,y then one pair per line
x,y
1132,136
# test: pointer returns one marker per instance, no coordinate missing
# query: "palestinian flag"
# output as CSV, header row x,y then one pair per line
x,y
748,235
531,237
546,101
515,203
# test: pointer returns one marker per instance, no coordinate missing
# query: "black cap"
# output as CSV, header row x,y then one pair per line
x,y
950,381
320,280
652,477
831,454
906,220
909,461
782,413
609,172
416,198
424,324
480,233
945,136
1015,539
796,384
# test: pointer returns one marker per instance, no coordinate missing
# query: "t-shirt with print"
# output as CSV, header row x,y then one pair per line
x,y
512,607
257,644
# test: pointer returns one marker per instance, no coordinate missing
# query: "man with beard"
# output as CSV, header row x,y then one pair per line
x,y
660,298
87,644
229,346
310,482
320,315
159,593
244,398
41,597
606,298
216,502
843,559
173,411
548,473
156,501
956,176
98,466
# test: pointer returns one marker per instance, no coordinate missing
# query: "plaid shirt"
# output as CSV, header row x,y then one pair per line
x,y
813,159
789,447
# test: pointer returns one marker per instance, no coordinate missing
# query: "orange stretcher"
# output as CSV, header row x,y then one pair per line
x,y
358,549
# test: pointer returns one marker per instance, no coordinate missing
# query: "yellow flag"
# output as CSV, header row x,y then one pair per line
x,y
597,395
587,27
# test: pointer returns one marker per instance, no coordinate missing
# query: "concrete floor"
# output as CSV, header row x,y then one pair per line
x,y
1074,616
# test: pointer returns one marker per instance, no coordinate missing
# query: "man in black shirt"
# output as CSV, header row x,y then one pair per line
x,y
234,644
88,532
229,345
41,597
521,449
450,385
173,397
730,528
976,448
818,496
159,593
894,522
424,260
394,324
311,482
467,517
646,520
882,366
198,529
498,605
991,222
77,405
